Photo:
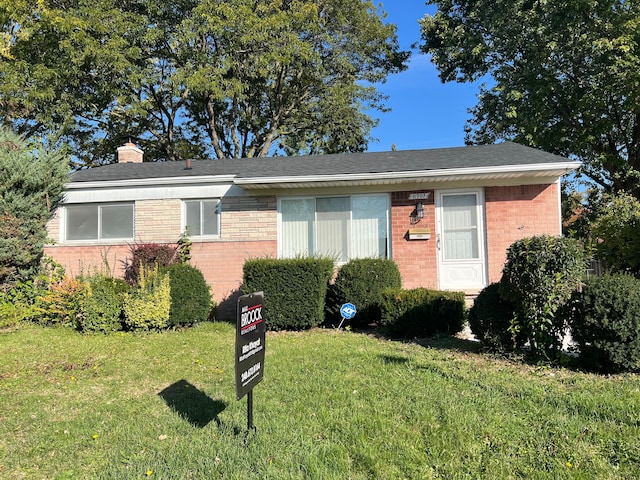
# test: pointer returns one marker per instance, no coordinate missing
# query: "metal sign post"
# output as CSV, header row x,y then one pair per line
x,y
348,311
250,345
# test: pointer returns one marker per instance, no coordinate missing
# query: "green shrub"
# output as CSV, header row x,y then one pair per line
x,y
61,304
615,232
421,312
490,320
606,323
19,303
539,276
294,290
361,282
147,307
190,295
101,307
12,314
148,255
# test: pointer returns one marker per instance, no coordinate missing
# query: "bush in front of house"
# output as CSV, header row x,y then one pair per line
x,y
61,303
538,278
605,321
190,295
148,255
490,320
147,307
294,290
361,282
421,312
101,305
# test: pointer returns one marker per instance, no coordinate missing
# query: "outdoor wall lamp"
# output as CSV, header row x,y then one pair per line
x,y
419,210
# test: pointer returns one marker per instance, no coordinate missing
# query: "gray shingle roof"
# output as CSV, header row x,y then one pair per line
x,y
499,155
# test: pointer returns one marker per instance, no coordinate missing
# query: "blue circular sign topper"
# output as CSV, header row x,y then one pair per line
x,y
348,311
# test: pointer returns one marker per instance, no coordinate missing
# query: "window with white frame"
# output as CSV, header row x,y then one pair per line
x,y
108,221
202,217
343,227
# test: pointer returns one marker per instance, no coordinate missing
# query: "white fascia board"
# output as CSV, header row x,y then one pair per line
x,y
430,175
151,182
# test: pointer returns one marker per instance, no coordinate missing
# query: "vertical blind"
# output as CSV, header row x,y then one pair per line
x,y
339,227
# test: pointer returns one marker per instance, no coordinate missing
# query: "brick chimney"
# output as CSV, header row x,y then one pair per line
x,y
130,153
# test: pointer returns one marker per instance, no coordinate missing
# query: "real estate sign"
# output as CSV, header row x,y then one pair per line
x,y
250,337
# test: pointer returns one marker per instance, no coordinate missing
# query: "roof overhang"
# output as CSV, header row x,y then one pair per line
x,y
480,174
152,182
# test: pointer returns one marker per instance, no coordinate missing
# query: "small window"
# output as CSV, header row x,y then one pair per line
x,y
99,222
202,217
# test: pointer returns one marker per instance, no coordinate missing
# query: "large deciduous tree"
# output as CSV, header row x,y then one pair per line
x,y
31,182
565,76
234,78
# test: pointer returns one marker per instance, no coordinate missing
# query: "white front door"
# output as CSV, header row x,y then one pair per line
x,y
460,239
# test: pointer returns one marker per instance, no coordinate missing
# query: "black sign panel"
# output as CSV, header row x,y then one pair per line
x,y
250,336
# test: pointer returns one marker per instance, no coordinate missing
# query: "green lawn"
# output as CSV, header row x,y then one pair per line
x,y
333,405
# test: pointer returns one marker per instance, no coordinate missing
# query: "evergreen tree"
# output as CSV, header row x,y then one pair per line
x,y
31,183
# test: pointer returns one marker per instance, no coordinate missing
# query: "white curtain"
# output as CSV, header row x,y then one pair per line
x,y
332,227
369,226
338,227
297,227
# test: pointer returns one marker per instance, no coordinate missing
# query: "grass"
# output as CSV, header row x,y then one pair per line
x,y
332,405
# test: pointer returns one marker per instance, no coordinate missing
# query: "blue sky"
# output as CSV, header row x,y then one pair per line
x,y
425,113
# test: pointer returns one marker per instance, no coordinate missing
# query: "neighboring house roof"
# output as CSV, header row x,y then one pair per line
x,y
500,161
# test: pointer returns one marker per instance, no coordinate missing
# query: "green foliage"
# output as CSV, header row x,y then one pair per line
x,y
61,303
190,295
147,307
148,255
28,299
294,290
420,312
13,313
184,246
615,230
539,276
565,76
31,182
229,79
102,306
490,320
606,323
361,282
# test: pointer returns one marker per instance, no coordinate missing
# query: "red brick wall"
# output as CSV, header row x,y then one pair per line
x,y
79,260
416,259
221,264
513,213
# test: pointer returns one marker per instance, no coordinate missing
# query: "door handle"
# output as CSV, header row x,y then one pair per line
x,y
438,241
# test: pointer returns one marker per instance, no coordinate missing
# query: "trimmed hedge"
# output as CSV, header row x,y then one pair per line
x,y
606,323
294,290
421,312
490,318
361,282
190,295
